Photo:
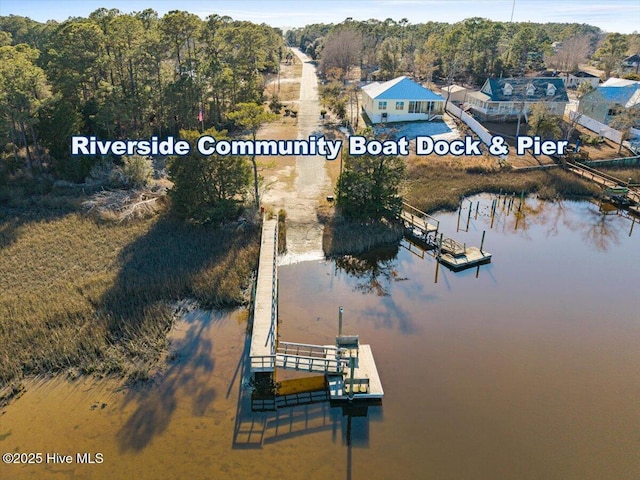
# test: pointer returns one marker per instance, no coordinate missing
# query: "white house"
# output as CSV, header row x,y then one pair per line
x,y
400,100
575,79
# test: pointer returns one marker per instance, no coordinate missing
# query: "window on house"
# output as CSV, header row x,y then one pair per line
x,y
551,90
399,105
531,89
507,89
382,105
419,107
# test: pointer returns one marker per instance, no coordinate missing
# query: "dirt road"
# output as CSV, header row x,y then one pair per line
x,y
304,233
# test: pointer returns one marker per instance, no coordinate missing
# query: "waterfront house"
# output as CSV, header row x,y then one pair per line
x,y
400,100
504,99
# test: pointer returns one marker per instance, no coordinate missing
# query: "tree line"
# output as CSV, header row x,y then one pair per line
x,y
469,51
119,75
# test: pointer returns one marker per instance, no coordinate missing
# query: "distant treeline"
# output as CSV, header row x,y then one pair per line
x,y
469,51
119,75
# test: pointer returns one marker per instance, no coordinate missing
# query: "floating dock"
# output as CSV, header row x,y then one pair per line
x,y
424,228
471,257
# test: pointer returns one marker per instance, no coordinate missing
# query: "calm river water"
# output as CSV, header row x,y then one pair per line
x,y
527,368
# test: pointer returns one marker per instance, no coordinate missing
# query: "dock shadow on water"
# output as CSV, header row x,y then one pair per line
x,y
189,368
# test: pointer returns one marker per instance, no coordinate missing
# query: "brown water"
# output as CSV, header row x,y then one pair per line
x,y
527,368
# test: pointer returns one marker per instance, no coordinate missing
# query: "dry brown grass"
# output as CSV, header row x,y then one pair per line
x,y
436,183
623,173
96,297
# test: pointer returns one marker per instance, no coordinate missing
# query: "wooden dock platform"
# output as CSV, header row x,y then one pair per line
x,y
366,384
470,257
265,308
424,229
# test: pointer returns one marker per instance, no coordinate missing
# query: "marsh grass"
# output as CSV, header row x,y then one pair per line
x,y
441,183
97,297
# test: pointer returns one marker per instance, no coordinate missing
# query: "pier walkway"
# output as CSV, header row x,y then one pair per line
x,y
265,308
605,180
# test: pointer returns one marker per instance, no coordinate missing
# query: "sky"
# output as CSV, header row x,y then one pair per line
x,y
621,16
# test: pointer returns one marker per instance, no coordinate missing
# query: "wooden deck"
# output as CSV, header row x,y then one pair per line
x,y
366,384
471,257
424,229
265,309
418,222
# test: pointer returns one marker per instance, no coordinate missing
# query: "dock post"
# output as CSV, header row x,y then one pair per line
x,y
493,213
458,224
521,201
340,310
351,367
477,208
482,242
469,217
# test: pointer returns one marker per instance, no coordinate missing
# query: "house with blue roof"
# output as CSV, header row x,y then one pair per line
x,y
603,103
400,100
504,99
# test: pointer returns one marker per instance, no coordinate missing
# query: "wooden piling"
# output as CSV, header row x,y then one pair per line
x,y
482,241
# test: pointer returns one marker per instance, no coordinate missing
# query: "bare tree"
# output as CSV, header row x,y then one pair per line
x,y
342,49
571,54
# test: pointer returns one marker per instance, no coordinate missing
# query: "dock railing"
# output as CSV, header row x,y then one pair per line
x,y
411,210
595,175
274,294
312,358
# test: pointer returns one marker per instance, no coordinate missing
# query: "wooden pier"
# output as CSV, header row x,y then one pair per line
x,y
348,367
265,307
606,181
424,228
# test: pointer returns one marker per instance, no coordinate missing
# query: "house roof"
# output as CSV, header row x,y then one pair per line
x,y
401,88
582,74
547,74
494,87
454,88
480,96
619,82
632,58
627,96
